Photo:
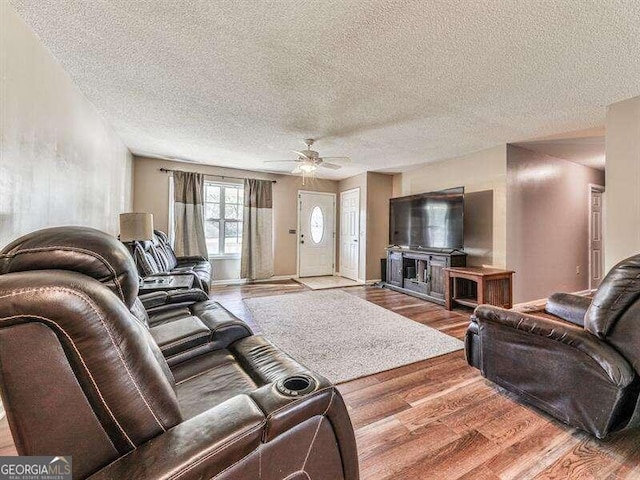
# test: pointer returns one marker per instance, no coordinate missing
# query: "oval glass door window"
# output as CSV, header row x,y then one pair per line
x,y
317,224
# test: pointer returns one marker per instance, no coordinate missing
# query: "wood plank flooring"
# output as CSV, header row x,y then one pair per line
x,y
439,419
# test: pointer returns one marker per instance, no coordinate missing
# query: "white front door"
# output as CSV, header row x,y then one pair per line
x,y
316,233
350,233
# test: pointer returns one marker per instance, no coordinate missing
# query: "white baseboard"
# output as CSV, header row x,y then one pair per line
x,y
544,300
588,291
276,279
243,281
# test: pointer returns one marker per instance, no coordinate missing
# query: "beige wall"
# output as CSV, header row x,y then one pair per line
x,y
60,163
622,220
484,171
547,223
379,191
151,194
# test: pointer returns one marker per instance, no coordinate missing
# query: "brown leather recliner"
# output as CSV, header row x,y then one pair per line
x,y
582,365
81,375
156,257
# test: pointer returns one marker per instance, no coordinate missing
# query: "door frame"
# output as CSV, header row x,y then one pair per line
x,y
298,209
339,240
601,189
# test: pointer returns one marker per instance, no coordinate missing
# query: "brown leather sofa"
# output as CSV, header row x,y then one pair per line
x,y
580,365
81,375
156,258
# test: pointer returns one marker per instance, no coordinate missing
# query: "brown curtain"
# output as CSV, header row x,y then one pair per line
x,y
257,231
188,211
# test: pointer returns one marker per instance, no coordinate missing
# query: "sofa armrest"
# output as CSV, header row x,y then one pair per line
x,y
181,296
559,335
186,268
200,447
569,307
153,299
191,258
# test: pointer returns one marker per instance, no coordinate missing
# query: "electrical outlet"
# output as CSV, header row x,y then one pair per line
x,y
578,270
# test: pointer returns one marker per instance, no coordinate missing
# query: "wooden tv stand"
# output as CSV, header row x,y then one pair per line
x,y
420,272
472,286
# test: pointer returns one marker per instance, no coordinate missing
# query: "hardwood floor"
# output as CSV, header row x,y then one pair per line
x,y
439,419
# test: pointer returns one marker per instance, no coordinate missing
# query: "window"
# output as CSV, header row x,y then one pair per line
x,y
223,206
317,224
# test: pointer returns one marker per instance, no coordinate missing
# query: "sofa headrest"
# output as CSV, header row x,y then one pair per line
x,y
161,236
78,249
618,291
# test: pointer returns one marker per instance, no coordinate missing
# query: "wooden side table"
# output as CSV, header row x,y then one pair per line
x,y
473,286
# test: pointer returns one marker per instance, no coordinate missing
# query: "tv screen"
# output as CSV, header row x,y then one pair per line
x,y
428,220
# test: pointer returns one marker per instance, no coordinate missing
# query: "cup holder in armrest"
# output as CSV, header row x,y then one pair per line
x,y
296,385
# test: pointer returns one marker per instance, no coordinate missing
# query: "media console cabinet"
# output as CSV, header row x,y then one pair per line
x,y
421,272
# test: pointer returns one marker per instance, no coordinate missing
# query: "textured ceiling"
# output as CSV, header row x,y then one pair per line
x,y
388,83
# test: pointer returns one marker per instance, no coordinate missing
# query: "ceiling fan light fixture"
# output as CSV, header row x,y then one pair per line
x,y
308,167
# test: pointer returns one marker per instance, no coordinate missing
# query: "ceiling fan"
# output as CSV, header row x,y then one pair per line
x,y
309,161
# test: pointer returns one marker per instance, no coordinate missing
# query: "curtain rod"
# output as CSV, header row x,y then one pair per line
x,y
219,176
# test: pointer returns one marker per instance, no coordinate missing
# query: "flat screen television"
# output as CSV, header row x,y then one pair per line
x,y
428,220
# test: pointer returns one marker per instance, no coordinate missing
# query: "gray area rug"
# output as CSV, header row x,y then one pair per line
x,y
343,337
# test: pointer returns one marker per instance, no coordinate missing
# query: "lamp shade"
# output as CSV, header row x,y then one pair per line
x,y
136,227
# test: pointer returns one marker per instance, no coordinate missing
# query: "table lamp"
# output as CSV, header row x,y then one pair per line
x,y
136,227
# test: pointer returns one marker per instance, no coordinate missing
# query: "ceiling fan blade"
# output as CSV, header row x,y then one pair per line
x,y
300,154
337,159
280,161
332,166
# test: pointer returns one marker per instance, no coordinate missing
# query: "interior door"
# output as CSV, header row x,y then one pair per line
x,y
595,237
316,234
350,233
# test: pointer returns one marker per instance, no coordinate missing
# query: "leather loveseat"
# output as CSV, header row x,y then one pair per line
x,y
81,375
156,257
579,362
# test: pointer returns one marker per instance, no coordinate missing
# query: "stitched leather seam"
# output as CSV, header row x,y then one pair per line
x,y
95,384
288,477
260,461
313,440
104,325
218,450
241,460
73,249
